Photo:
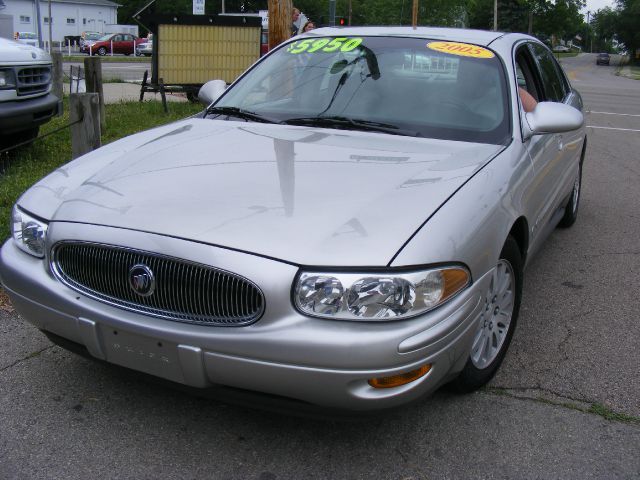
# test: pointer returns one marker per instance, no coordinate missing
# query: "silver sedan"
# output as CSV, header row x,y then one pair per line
x,y
145,48
345,226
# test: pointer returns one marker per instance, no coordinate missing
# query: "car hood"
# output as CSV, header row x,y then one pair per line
x,y
19,53
304,195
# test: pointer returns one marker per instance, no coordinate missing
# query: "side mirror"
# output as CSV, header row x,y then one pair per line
x,y
552,117
210,91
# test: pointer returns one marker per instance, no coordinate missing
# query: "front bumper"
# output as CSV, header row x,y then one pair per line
x,y
321,362
25,114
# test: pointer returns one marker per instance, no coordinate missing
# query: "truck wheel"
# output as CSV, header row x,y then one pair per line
x,y
8,141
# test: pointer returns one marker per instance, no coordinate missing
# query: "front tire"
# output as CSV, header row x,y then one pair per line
x,y
497,321
571,209
102,51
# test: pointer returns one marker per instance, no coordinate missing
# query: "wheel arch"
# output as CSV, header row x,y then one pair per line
x,y
584,150
520,233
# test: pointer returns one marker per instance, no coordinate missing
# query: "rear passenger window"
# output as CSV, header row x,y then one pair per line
x,y
555,88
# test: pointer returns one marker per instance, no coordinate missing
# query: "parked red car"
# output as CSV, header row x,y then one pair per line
x,y
264,42
120,43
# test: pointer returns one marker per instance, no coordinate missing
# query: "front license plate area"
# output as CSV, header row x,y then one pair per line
x,y
145,354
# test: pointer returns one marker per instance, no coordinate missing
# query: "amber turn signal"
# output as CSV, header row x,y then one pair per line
x,y
401,379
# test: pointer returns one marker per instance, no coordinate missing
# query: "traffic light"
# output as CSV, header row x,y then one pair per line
x,y
339,21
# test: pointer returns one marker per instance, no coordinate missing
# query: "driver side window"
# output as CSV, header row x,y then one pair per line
x,y
529,84
553,81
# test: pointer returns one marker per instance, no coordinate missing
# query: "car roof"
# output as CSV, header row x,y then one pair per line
x,y
478,37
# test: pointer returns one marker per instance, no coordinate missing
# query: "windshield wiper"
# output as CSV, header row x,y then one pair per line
x,y
239,113
337,121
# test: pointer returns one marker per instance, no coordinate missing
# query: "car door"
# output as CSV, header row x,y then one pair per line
x,y
128,44
553,169
117,44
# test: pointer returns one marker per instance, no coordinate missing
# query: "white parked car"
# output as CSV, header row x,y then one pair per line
x,y
28,38
26,101
145,48
345,226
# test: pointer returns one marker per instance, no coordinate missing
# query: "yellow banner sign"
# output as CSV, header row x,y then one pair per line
x,y
462,49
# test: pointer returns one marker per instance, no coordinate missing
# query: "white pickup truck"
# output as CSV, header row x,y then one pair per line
x,y
26,101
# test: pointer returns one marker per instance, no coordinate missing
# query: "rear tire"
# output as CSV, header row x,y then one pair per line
x,y
497,321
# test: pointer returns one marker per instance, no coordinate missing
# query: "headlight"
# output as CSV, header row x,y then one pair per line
x,y
6,79
375,296
28,233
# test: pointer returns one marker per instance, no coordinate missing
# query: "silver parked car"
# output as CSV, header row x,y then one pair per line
x,y
146,47
346,225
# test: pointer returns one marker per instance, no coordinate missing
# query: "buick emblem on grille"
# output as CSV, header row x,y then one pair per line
x,y
142,280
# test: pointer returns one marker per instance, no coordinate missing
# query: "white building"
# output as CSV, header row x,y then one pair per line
x,y
69,18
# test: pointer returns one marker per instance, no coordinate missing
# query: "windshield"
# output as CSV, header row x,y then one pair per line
x,y
105,38
413,85
27,36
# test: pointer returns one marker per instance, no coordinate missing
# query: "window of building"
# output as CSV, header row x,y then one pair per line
x,y
84,21
71,21
25,19
46,20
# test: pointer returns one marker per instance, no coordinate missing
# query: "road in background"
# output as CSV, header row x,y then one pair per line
x,y
564,405
115,71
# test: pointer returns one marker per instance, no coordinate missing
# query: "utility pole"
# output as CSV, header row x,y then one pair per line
x,y
50,22
280,21
39,20
332,13
414,14
349,12
588,30
495,15
220,12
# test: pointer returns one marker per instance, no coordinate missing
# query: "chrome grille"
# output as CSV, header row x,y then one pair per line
x,y
33,80
184,291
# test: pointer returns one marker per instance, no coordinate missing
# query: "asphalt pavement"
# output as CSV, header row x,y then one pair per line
x,y
565,404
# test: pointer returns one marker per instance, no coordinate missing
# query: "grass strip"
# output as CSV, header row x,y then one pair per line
x,y
586,407
605,412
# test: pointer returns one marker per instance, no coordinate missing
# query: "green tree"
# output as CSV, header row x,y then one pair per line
x,y
603,29
562,19
628,26
389,12
559,18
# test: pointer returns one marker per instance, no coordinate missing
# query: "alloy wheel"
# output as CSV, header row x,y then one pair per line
x,y
496,316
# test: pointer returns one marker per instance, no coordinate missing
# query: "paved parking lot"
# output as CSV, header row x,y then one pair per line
x,y
564,405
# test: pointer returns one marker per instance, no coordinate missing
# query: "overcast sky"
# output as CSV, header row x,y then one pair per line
x,y
595,5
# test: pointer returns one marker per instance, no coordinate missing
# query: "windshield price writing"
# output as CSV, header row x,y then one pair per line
x,y
327,45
